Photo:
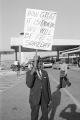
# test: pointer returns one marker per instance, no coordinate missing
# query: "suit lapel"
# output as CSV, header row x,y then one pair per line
x,y
39,76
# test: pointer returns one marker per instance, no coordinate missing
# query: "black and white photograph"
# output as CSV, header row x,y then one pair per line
x,y
39,59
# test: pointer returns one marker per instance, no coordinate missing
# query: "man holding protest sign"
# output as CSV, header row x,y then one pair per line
x,y
38,34
40,93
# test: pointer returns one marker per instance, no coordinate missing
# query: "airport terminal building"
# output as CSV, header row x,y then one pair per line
x,y
60,48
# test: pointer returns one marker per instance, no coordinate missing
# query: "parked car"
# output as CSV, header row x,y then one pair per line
x,y
24,66
13,67
79,63
47,64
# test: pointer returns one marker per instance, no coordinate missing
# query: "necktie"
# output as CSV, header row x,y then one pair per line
x,y
39,74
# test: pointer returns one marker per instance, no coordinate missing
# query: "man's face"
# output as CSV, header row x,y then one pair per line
x,y
39,65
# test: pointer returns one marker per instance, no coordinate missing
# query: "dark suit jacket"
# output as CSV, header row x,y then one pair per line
x,y
37,86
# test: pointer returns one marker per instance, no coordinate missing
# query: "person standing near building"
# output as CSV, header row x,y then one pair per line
x,y
40,93
63,74
17,67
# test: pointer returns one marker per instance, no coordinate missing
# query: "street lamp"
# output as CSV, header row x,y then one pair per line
x,y
22,33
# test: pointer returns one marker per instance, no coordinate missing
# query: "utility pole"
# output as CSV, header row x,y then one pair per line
x,y
20,54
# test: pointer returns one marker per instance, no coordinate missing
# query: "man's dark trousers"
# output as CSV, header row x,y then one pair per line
x,y
40,94
35,109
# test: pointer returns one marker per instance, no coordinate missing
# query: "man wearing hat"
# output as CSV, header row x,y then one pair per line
x,y
40,93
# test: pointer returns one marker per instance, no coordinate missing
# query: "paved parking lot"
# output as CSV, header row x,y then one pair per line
x,y
9,79
65,103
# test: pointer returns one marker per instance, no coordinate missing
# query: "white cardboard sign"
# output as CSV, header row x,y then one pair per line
x,y
39,29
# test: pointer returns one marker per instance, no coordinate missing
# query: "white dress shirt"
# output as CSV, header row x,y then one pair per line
x,y
39,73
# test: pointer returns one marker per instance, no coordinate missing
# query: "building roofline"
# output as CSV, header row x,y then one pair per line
x,y
6,51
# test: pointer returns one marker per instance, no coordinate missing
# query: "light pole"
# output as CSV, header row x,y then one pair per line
x,y
22,33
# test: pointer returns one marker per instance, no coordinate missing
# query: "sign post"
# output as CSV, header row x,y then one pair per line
x,y
35,58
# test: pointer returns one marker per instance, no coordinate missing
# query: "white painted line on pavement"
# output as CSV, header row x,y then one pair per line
x,y
11,86
70,95
1,91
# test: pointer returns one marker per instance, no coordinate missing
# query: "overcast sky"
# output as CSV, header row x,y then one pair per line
x,y
12,16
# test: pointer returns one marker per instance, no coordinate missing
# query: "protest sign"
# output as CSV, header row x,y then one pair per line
x,y
39,29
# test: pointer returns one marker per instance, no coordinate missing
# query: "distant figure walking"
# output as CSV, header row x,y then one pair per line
x,y
63,74
40,93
